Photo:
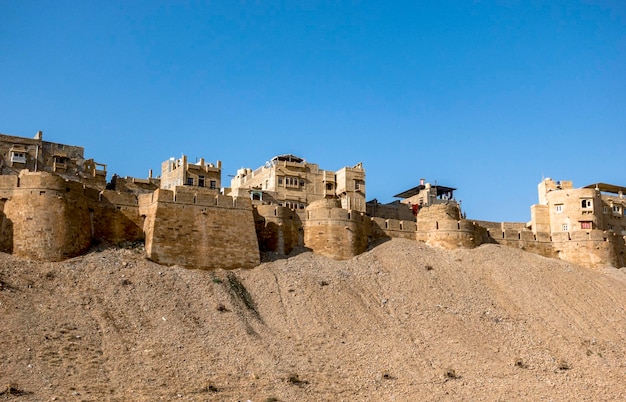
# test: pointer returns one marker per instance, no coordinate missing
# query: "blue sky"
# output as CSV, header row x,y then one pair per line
x,y
484,96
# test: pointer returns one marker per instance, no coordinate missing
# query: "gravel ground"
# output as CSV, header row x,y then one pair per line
x,y
401,322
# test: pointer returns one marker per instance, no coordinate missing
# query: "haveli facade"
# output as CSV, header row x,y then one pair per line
x,y
290,181
54,204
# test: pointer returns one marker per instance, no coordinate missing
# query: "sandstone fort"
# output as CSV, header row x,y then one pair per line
x,y
55,204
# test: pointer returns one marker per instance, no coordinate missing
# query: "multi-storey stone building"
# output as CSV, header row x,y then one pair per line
x,y
563,208
179,172
37,155
290,181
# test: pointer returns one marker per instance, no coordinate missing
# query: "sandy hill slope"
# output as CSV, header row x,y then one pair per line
x,y
401,322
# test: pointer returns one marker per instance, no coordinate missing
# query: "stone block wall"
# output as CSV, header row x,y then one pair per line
x,y
591,248
334,232
441,225
6,230
279,229
594,248
115,217
46,218
381,228
214,232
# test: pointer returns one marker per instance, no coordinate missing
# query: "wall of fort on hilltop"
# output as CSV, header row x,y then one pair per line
x,y
591,248
381,228
516,235
115,217
335,232
441,225
47,217
279,229
199,228
44,217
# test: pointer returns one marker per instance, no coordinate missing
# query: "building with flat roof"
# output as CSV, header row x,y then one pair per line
x,y
290,181
37,155
179,172
563,208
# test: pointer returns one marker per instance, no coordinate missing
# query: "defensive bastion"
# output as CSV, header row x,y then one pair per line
x,y
46,217
49,216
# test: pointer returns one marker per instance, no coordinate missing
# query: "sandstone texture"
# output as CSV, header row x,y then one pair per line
x,y
403,321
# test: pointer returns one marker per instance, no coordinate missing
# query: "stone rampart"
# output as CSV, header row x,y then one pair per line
x,y
215,231
381,228
334,232
45,217
594,248
441,225
279,229
591,248
115,217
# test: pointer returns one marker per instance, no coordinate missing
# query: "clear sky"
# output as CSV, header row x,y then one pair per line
x,y
484,96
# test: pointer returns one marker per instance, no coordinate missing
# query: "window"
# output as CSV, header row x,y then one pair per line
x,y
329,186
610,227
565,227
18,157
213,184
559,208
292,181
190,181
586,204
617,209
585,225
357,185
301,183
280,181
200,181
605,210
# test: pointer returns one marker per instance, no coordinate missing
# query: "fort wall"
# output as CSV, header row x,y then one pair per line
x,y
197,228
279,229
594,248
334,232
591,248
45,217
115,217
441,225
381,228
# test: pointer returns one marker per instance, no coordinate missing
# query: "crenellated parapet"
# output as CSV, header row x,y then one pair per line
x,y
54,205
44,217
441,225
335,232
593,248
198,228
381,228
